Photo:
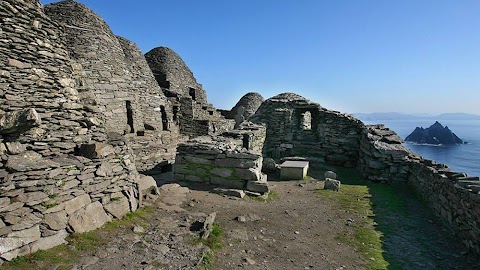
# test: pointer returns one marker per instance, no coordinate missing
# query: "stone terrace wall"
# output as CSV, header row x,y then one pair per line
x,y
452,196
224,161
329,135
63,174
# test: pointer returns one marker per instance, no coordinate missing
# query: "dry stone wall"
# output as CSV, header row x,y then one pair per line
x,y
127,96
231,161
59,171
453,196
299,127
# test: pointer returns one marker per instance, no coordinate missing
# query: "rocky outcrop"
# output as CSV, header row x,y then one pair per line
x,y
436,134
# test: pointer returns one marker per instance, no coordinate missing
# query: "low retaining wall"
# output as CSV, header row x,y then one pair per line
x,y
453,196
231,162
44,199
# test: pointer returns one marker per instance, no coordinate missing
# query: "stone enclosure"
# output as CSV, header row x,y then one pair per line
x,y
84,116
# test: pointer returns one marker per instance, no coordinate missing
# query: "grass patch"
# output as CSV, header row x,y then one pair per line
x,y
271,196
359,197
214,243
78,244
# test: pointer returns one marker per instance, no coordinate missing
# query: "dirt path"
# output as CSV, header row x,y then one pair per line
x,y
297,230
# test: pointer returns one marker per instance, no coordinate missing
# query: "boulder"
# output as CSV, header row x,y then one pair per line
x,y
118,207
91,217
269,166
257,186
330,174
18,122
332,184
147,185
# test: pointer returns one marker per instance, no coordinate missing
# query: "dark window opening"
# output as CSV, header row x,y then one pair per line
x,y
164,118
141,133
210,112
191,92
175,112
148,127
204,108
246,141
130,116
306,123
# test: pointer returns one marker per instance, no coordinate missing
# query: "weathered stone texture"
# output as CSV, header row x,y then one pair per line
x,y
49,114
233,160
329,135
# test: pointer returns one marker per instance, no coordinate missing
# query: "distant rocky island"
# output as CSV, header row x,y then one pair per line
x,y
436,134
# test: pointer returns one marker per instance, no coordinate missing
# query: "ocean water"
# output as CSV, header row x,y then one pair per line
x,y
462,158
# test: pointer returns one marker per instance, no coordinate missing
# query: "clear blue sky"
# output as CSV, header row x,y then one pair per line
x,y
348,55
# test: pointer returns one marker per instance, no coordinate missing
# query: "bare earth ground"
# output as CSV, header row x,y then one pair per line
x,y
298,229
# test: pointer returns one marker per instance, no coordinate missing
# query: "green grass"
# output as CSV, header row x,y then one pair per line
x,y
214,243
362,197
271,196
78,244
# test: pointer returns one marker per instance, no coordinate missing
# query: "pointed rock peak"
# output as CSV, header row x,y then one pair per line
x,y
436,125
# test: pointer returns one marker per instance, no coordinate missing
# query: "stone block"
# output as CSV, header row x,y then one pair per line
x,y
118,207
293,170
45,243
330,174
257,186
223,172
91,217
105,169
195,178
147,185
96,150
29,161
228,183
57,220
18,239
229,192
331,184
77,203
248,174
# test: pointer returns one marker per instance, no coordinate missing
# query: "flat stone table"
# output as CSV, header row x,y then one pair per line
x,y
293,170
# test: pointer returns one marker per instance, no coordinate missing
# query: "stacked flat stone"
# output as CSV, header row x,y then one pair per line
x,y
224,161
127,95
333,136
196,116
245,107
382,155
60,173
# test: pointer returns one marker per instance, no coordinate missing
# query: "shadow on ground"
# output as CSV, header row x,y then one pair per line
x,y
411,237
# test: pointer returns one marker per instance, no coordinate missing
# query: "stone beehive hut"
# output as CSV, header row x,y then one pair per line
x,y
299,127
245,107
59,171
125,92
173,75
195,115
